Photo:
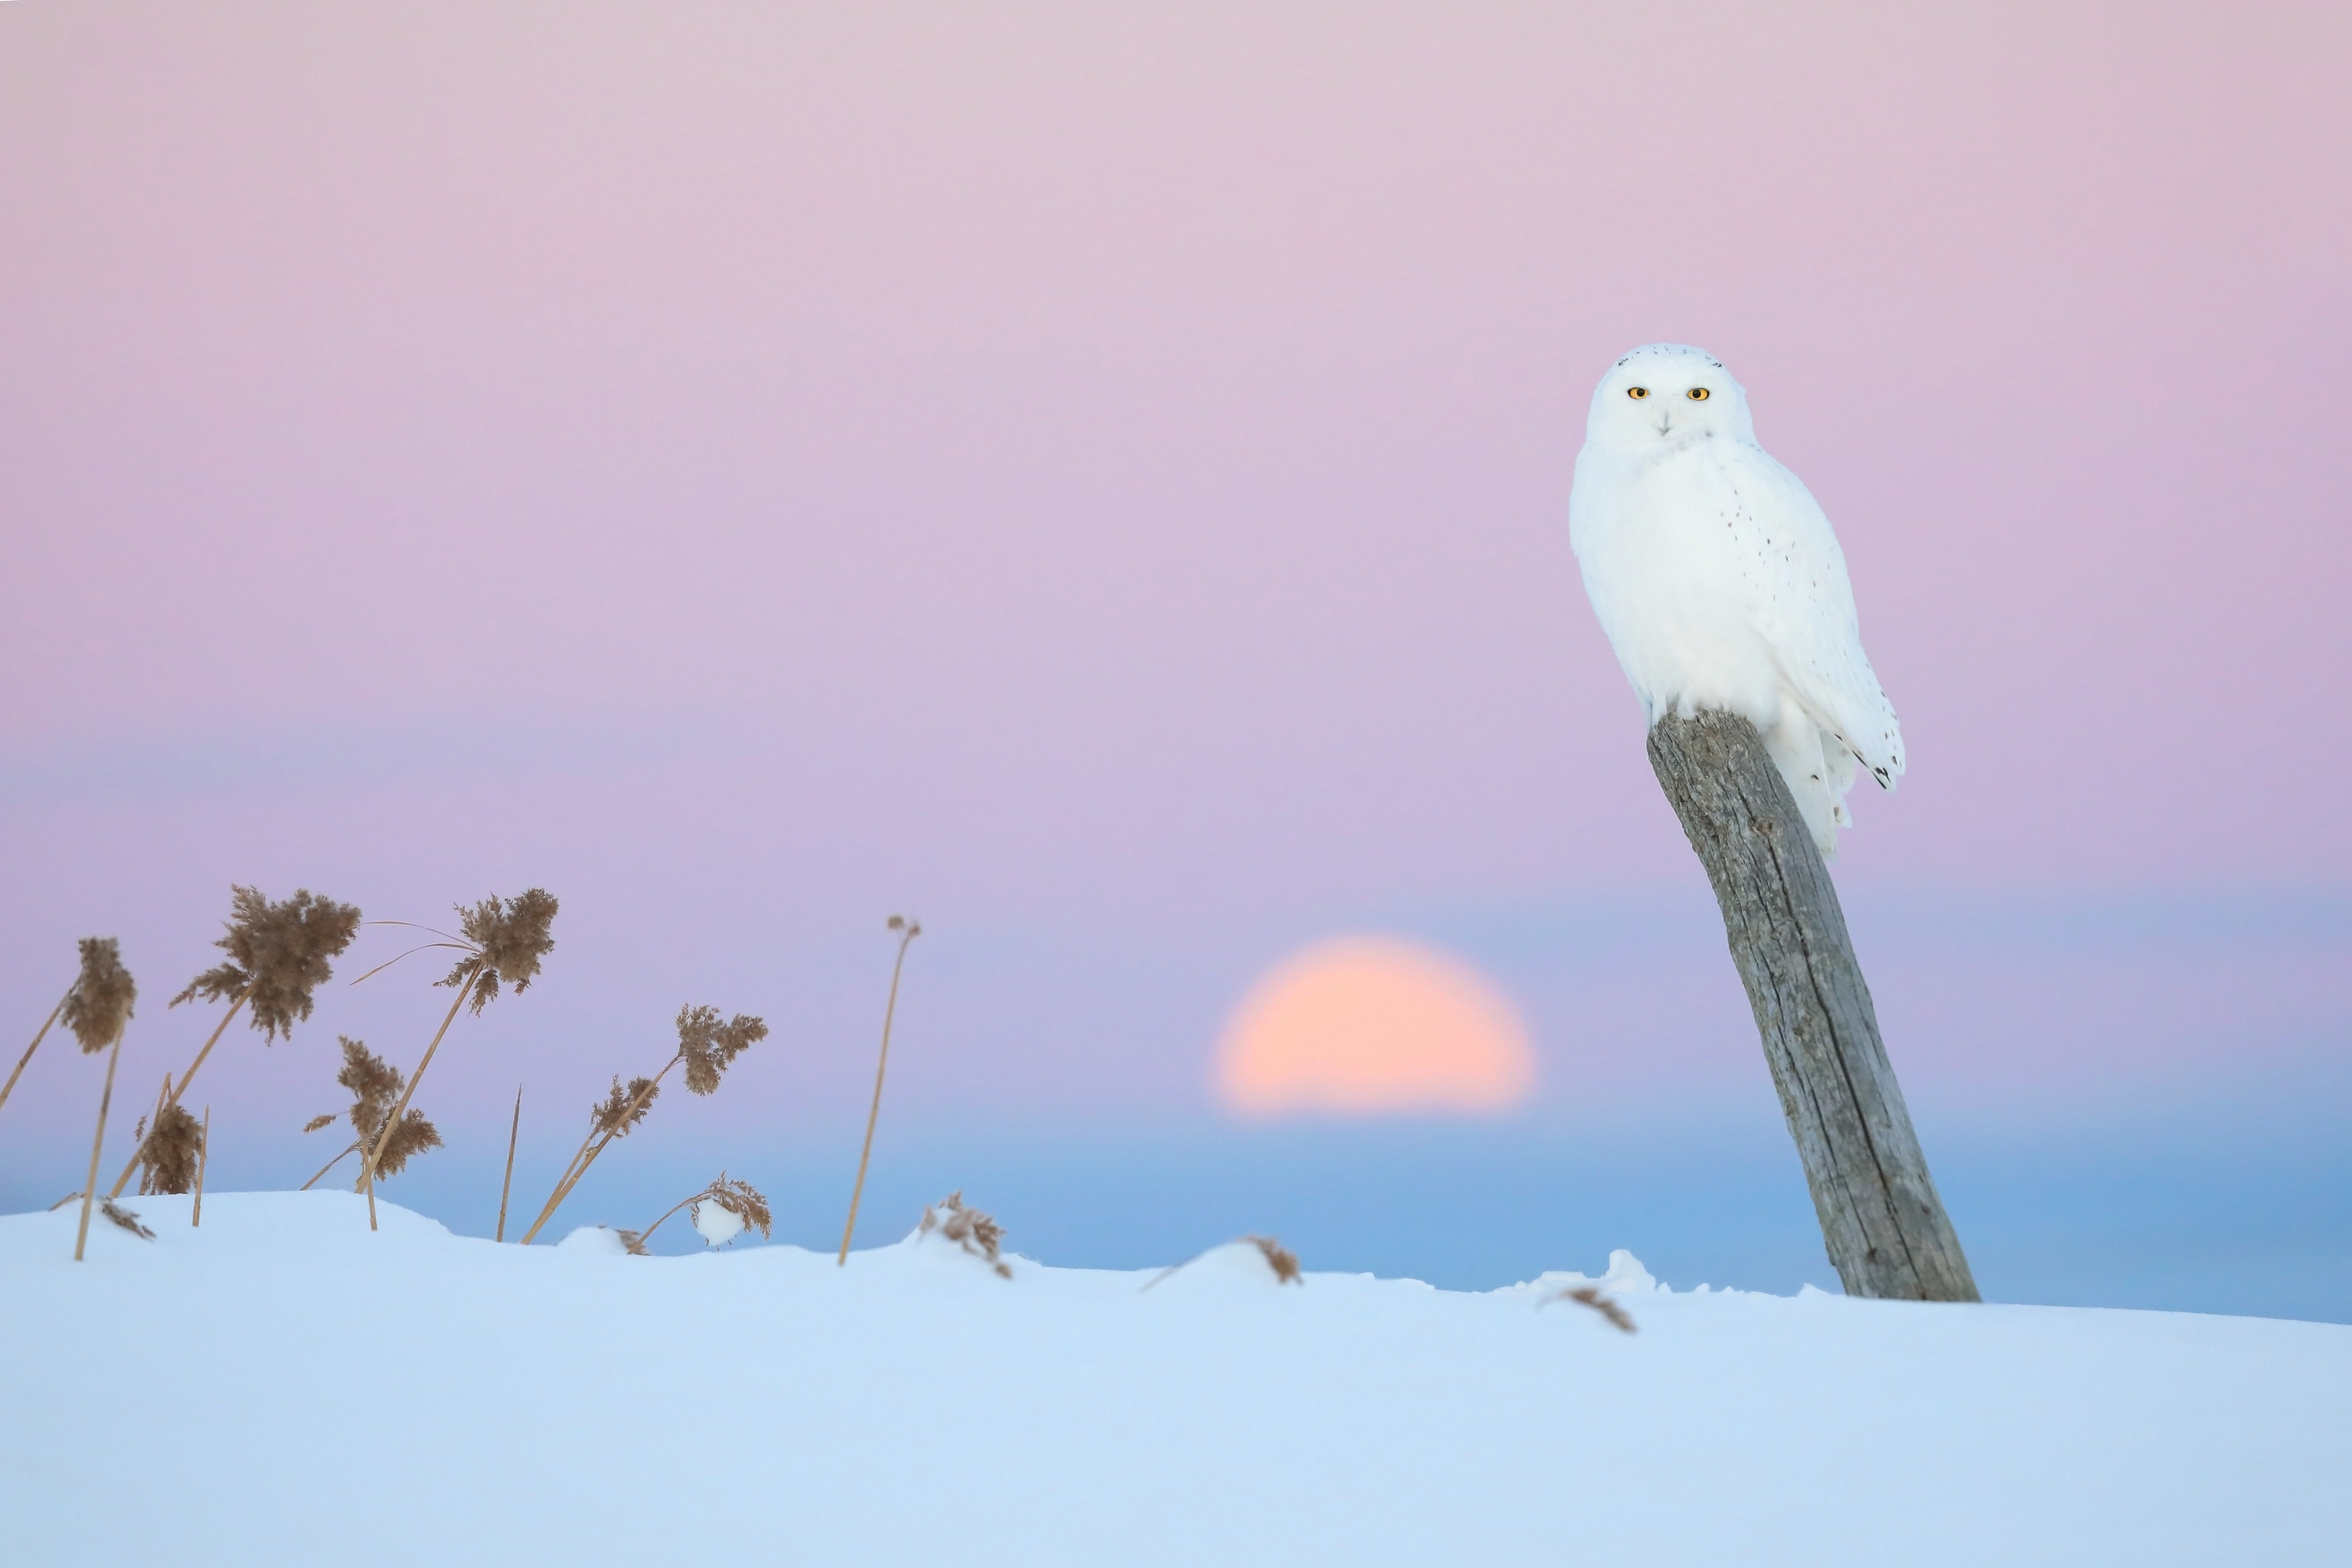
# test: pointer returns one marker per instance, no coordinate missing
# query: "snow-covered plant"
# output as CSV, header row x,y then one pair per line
x,y
1278,1257
279,953
706,1049
908,931
976,1233
721,1212
502,941
374,1084
98,1010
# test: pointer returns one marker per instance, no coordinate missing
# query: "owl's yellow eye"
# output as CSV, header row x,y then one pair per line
x,y
1637,392
1698,394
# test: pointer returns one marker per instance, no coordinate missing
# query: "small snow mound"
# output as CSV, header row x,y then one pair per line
x,y
597,1240
716,1226
1624,1276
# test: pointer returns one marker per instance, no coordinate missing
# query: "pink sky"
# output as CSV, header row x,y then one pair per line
x,y
1102,471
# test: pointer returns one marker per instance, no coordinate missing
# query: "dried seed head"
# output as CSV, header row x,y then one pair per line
x,y
633,1243
318,1121
1280,1258
623,1109
99,1009
897,922
508,939
1592,1296
127,1218
375,1086
969,1228
168,1155
742,1200
709,1046
279,955
412,1137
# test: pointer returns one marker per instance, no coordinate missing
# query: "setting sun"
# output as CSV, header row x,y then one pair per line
x,y
1370,1025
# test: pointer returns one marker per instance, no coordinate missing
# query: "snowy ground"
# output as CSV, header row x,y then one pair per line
x,y
281,1386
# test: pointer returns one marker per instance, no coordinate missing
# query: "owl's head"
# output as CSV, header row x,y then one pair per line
x,y
1667,391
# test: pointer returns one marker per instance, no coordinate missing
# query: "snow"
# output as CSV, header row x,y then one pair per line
x,y
281,1386
716,1226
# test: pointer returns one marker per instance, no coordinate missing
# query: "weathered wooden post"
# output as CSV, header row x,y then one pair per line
x,y
1885,1226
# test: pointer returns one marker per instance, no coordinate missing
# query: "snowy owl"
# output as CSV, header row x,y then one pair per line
x,y
1718,579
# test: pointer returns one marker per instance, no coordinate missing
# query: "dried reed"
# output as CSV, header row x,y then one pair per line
x,y
507,1186
1592,1297
503,941
739,1198
976,1233
706,1049
374,1083
40,1035
169,1152
204,1158
279,953
908,931
97,1012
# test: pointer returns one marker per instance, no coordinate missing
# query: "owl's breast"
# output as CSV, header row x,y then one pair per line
x,y
1670,550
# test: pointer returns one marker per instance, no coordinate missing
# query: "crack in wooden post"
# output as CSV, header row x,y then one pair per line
x,y
1882,1220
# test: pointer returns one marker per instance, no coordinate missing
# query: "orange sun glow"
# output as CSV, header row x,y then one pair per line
x,y
1368,1026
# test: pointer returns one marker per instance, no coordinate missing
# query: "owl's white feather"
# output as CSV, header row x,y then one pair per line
x,y
1718,579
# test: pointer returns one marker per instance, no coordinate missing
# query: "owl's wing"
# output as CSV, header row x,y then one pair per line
x,y
1805,613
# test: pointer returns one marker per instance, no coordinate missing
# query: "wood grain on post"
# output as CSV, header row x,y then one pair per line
x,y
1885,1226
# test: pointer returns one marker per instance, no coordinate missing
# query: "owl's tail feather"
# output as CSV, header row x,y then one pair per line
x,y
1818,772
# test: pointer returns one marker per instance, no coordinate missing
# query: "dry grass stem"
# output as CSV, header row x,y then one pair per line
x,y
97,1012
204,1158
504,941
969,1228
1592,1296
279,952
39,1034
908,931
706,1049
513,1131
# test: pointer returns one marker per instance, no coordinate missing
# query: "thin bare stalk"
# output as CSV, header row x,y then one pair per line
x,y
590,1148
10,1087
220,1029
513,1131
89,1187
647,1233
889,1010
367,1171
204,1158
348,1149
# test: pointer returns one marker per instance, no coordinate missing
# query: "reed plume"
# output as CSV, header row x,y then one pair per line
x,y
976,1233
98,1011
503,942
706,1049
908,931
279,953
374,1084
168,1153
